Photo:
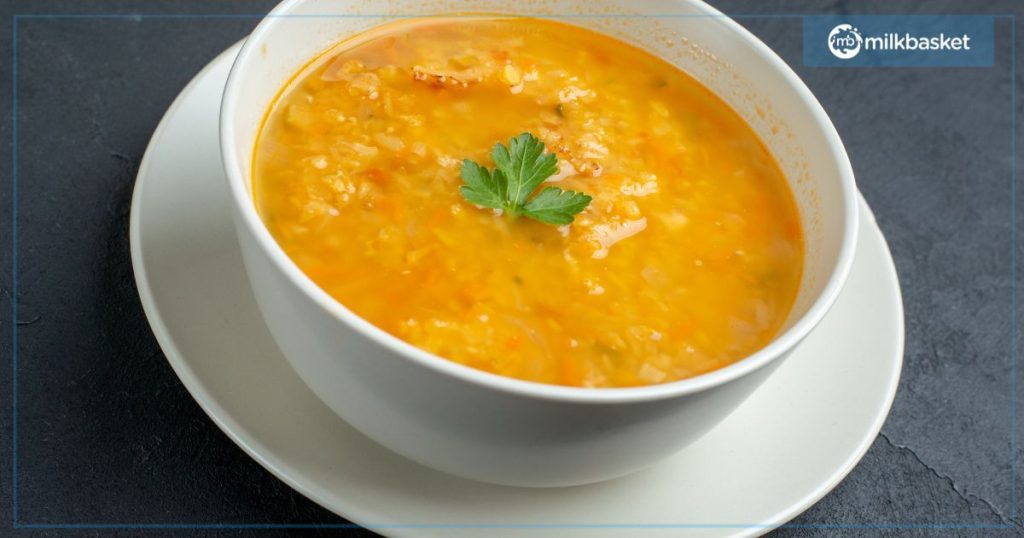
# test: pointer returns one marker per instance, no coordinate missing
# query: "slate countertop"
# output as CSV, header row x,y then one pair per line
x,y
108,435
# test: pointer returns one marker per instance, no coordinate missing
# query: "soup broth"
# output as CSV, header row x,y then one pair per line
x,y
687,259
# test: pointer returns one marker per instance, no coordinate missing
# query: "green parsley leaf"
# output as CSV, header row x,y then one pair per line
x,y
521,167
555,206
481,187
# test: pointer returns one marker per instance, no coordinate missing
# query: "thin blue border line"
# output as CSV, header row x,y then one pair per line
x,y
509,526
470,15
14,270
1013,265
14,303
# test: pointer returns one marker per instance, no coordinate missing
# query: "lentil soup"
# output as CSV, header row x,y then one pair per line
x,y
687,258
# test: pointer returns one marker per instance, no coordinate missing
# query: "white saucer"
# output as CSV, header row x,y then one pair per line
x,y
784,449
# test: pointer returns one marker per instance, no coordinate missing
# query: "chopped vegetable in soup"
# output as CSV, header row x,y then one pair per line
x,y
686,258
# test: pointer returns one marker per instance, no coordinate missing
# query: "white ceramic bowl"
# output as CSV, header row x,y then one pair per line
x,y
495,429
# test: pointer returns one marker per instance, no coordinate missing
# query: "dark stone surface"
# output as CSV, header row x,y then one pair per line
x,y
107,434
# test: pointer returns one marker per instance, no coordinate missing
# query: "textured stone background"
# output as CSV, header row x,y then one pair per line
x,y
107,433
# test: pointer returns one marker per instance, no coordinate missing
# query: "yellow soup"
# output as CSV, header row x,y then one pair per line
x,y
687,259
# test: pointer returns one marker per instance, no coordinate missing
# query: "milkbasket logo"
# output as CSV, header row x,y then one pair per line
x,y
899,40
844,41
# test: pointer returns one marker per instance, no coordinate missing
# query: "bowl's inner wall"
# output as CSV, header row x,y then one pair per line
x,y
690,35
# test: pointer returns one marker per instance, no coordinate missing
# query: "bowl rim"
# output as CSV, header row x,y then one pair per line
x,y
776,348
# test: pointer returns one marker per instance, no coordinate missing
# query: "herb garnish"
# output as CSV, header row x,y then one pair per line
x,y
521,167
